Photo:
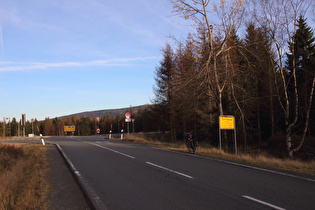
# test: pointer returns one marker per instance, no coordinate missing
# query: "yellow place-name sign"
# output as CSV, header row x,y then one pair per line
x,y
69,128
227,122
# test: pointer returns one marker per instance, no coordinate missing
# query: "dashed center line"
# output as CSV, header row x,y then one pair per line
x,y
170,170
112,150
95,197
149,163
262,202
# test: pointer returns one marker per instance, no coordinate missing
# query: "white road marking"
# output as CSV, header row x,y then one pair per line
x,y
112,150
95,199
263,202
149,163
242,165
267,170
170,170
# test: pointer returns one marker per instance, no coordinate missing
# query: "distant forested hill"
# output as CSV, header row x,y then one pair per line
x,y
105,112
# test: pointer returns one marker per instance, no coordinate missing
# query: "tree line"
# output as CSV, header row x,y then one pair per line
x,y
84,126
265,78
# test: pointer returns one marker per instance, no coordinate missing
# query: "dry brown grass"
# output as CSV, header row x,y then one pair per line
x,y
23,177
265,160
261,159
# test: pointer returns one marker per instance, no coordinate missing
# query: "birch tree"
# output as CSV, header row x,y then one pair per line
x,y
280,18
224,18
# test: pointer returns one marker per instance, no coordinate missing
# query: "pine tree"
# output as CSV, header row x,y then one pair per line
x,y
185,86
163,77
48,127
164,90
14,127
304,55
85,126
258,82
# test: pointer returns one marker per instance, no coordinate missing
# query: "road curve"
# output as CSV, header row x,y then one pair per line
x,y
120,175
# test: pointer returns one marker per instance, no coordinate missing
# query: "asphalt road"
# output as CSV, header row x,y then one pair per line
x,y
119,175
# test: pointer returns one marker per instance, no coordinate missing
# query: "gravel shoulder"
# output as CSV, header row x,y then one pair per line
x,y
65,191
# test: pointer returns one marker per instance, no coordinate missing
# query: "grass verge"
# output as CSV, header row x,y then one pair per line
x,y
262,159
23,177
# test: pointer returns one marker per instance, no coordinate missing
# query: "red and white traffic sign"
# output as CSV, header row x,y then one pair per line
x,y
127,115
98,130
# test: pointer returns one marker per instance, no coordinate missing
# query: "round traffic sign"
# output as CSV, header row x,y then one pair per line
x,y
127,115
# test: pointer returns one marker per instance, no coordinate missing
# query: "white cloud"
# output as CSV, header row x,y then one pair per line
x,y
109,62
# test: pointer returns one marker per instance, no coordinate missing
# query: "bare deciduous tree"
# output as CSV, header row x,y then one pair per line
x,y
280,18
228,17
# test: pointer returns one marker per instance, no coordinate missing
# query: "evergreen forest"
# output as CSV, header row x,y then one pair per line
x,y
256,62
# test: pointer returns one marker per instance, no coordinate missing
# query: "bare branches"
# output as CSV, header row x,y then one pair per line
x,y
280,18
231,71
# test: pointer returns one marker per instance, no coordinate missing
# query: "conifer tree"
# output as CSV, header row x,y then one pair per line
x,y
164,89
304,54
258,81
302,58
14,127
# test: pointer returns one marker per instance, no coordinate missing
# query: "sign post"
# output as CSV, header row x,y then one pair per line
x,y
133,125
110,131
98,130
227,123
128,121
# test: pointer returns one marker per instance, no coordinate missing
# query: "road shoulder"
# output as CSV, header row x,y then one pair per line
x,y
65,192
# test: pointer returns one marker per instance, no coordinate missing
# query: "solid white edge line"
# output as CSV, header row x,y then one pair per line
x,y
262,202
236,164
170,170
94,198
67,159
245,166
266,170
152,164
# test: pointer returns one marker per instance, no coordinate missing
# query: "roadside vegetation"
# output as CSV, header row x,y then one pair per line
x,y
23,177
24,169
253,60
259,158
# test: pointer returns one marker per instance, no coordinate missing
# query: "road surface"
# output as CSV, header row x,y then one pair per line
x,y
120,175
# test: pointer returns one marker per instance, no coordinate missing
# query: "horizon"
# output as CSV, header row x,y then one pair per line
x,y
63,57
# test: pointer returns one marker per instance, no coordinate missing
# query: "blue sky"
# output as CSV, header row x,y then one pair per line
x,y
59,57
62,57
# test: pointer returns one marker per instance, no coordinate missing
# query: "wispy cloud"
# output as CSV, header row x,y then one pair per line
x,y
15,66
1,42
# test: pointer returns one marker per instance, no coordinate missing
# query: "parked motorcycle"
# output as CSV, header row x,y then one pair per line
x,y
191,143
